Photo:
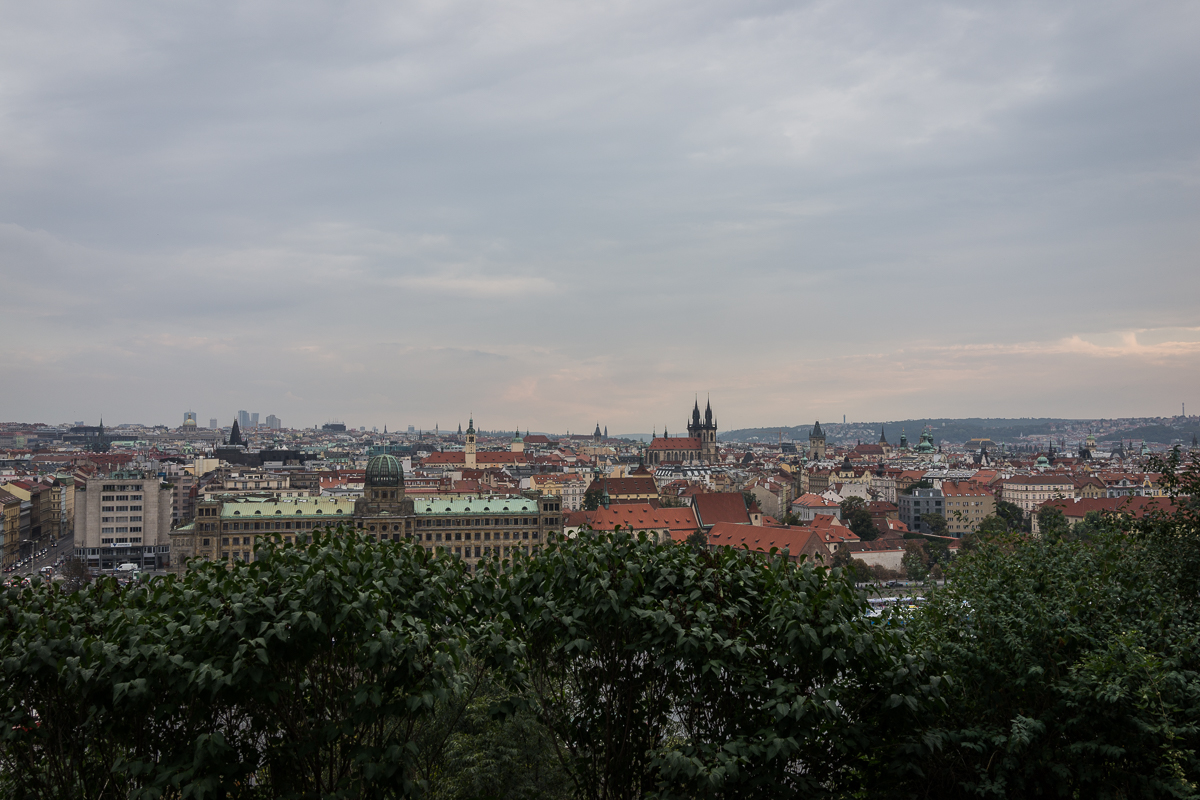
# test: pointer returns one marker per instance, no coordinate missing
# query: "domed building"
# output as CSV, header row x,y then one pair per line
x,y
383,505
926,445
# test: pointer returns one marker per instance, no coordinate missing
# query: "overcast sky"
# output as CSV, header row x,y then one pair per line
x,y
551,214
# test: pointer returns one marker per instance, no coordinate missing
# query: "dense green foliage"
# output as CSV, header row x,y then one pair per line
x,y
610,666
858,518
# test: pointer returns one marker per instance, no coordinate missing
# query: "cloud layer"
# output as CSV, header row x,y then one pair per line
x,y
552,213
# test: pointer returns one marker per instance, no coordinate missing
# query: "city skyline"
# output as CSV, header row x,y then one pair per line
x,y
569,213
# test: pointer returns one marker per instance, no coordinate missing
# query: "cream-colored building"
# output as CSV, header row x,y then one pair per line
x,y
1027,492
10,527
254,482
966,505
123,518
568,486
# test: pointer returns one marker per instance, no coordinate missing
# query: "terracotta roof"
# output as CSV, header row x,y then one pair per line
x,y
638,516
1134,506
715,507
675,443
796,540
964,489
811,500
481,459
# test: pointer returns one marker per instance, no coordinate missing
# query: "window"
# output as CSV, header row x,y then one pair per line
x,y
225,540
135,519
135,508
106,519
121,530
106,541
106,508
122,508
106,530
204,542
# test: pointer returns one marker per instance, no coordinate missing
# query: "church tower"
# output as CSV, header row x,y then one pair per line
x,y
705,431
469,460
816,443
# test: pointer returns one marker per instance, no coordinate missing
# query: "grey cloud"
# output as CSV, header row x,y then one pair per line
x,y
568,184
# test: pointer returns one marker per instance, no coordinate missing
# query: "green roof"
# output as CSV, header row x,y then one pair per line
x,y
510,504
259,507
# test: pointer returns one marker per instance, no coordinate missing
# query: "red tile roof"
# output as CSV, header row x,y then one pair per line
x,y
675,443
637,516
796,540
715,507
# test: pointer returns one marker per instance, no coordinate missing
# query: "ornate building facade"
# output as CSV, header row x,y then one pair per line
x,y
228,528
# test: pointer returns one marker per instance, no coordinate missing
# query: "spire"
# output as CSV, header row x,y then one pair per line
x,y
882,436
817,433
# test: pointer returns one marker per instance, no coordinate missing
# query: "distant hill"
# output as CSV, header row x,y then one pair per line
x,y
1159,434
949,430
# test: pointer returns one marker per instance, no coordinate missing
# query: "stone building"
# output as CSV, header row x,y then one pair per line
x,y
227,528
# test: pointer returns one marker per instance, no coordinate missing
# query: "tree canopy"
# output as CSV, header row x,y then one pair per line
x,y
614,666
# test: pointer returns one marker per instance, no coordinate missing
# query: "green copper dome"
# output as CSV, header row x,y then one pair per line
x,y
384,470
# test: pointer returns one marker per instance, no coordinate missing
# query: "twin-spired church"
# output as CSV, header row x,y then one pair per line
x,y
698,447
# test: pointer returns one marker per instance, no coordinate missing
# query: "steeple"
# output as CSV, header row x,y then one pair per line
x,y
708,419
882,436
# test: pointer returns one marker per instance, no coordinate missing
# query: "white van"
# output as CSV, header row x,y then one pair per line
x,y
127,567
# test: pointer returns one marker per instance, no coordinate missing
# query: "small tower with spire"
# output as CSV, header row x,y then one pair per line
x,y
816,443
469,447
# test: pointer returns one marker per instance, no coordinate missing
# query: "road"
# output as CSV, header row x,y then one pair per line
x,y
65,549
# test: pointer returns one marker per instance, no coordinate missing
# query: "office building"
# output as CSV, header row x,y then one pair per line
x,y
273,422
124,518
243,419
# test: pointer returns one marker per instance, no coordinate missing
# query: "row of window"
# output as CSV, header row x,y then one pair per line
x,y
120,508
123,529
487,522
123,487
487,536
129,539
117,498
134,518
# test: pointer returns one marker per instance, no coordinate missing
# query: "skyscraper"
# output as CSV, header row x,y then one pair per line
x,y
243,419
212,423
254,420
273,422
